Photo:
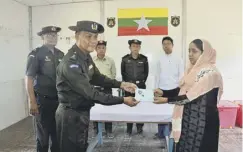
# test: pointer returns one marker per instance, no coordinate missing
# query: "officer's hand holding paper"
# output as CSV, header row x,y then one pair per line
x,y
144,95
129,87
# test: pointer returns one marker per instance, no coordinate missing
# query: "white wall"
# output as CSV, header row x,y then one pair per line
x,y
63,16
66,15
14,46
151,45
220,24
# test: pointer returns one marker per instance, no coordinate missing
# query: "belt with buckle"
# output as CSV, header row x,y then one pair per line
x,y
99,88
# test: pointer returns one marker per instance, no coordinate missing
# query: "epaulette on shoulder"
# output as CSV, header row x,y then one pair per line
x,y
143,56
35,51
73,57
125,56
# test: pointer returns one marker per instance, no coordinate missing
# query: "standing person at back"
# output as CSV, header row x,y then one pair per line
x,y
41,88
134,68
106,66
170,70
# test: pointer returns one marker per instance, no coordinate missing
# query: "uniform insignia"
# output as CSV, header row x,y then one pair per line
x,y
54,29
90,67
175,20
135,41
74,66
73,57
94,26
47,58
59,60
140,62
111,22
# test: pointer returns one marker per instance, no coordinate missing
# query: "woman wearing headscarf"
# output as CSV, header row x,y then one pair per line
x,y
195,119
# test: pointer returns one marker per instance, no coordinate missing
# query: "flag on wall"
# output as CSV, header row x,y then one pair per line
x,y
142,21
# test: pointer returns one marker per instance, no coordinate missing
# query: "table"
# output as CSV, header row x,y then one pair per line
x,y
144,112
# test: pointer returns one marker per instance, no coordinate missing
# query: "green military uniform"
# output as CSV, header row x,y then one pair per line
x,y
106,66
76,76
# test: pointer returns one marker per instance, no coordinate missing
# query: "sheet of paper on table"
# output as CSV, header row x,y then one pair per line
x,y
144,95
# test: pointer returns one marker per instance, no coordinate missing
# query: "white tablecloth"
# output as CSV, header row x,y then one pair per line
x,y
146,112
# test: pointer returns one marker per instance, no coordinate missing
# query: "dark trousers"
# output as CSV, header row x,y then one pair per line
x,y
45,124
167,93
72,129
108,125
130,125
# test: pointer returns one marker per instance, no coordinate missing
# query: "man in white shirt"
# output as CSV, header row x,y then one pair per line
x,y
170,70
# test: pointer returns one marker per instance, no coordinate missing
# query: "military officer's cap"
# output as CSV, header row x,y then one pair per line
x,y
134,41
49,29
88,26
101,42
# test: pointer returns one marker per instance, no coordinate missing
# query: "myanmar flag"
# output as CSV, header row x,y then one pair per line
x,y
143,21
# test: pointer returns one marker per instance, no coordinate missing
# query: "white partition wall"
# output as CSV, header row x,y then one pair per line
x,y
14,44
220,22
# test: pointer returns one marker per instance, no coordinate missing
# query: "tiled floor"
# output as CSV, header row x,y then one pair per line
x,y
20,138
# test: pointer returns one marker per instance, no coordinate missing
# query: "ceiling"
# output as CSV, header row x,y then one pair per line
x,y
48,2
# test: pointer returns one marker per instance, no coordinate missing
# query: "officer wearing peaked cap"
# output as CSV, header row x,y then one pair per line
x,y
135,68
41,88
76,76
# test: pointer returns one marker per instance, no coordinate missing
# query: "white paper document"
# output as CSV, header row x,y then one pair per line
x,y
144,95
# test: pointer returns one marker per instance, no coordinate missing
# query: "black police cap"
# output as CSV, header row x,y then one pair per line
x,y
49,29
134,41
101,42
88,26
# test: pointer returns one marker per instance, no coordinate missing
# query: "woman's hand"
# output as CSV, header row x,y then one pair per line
x,y
158,92
160,100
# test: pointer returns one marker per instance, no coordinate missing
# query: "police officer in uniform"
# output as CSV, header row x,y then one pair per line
x,y
41,88
106,66
76,76
134,68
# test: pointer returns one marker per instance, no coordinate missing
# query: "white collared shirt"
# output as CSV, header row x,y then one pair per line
x,y
170,69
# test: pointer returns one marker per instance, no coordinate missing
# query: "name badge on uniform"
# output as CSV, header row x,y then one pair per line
x,y
140,62
47,58
90,67
59,60
137,82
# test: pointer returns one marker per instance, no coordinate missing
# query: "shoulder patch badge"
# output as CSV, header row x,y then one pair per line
x,y
73,66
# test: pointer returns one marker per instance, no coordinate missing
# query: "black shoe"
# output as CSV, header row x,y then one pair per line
x,y
128,135
140,135
156,136
140,131
110,135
